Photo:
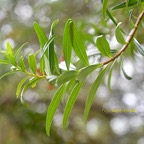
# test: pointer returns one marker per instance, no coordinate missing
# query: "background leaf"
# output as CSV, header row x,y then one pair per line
x,y
104,9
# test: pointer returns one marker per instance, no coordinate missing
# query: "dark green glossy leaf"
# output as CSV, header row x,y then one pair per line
x,y
53,107
87,70
105,3
70,103
140,48
103,46
78,44
40,34
19,87
118,34
67,76
67,46
32,62
92,92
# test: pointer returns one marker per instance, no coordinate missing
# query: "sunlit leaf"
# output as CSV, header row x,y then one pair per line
x,y
105,3
87,70
32,62
92,92
19,87
67,46
103,46
53,107
78,44
66,77
40,34
70,103
119,35
140,48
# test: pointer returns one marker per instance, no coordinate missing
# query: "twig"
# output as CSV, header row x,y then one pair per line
x,y
129,39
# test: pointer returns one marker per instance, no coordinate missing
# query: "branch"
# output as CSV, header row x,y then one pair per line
x,y
129,39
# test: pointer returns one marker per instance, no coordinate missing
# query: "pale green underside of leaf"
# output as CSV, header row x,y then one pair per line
x,y
53,107
92,92
70,103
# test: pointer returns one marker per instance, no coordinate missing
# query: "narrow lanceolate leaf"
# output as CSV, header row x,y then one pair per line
x,y
9,49
140,48
42,66
7,73
126,75
105,3
103,46
19,87
92,92
70,85
51,53
67,76
78,44
110,75
67,46
32,62
126,4
87,70
70,103
40,34
4,62
53,107
22,64
111,17
119,35
19,50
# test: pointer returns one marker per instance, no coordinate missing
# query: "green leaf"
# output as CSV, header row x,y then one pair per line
x,y
70,103
21,63
125,75
9,49
67,76
78,44
20,86
103,46
87,70
111,17
110,75
40,34
140,48
67,46
118,34
123,4
42,65
8,73
4,62
53,107
32,62
51,53
70,85
104,9
92,92
19,50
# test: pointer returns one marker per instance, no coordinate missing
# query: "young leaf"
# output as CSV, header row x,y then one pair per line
x,y
86,71
32,62
118,34
92,92
67,76
21,63
67,46
40,34
78,44
105,3
103,46
70,103
53,107
140,48
9,49
20,86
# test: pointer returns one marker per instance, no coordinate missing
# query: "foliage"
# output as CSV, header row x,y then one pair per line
x,y
67,75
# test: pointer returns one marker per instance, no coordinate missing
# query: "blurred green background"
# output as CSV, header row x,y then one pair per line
x,y
20,124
